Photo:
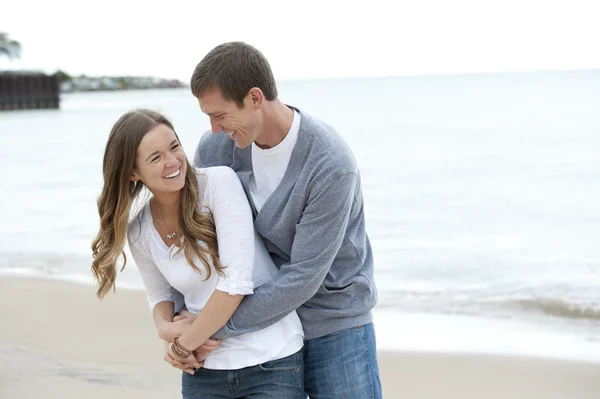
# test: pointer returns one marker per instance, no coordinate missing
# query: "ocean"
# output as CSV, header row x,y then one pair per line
x,y
482,199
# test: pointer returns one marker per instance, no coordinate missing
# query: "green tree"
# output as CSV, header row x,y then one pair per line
x,y
8,47
63,76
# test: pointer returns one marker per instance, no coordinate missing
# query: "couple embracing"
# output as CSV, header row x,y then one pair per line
x,y
255,258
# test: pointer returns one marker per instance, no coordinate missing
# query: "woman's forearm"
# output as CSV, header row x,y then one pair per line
x,y
216,313
163,316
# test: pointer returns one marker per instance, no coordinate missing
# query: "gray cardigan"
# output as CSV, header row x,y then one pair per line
x,y
313,226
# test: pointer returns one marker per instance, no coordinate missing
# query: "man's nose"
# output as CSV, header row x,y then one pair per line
x,y
215,127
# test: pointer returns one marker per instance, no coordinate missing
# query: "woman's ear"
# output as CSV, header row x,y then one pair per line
x,y
134,177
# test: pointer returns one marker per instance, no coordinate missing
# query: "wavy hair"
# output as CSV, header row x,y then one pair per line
x,y
119,193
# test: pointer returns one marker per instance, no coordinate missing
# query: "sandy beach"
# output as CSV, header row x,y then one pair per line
x,y
58,341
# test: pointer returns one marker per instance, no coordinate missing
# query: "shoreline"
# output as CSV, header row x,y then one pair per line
x,y
58,340
452,334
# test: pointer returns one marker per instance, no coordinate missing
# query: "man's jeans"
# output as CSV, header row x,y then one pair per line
x,y
342,365
277,379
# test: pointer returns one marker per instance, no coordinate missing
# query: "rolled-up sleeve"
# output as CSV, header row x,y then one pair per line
x,y
235,286
235,230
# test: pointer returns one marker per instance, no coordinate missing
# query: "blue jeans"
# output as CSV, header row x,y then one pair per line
x,y
277,379
342,365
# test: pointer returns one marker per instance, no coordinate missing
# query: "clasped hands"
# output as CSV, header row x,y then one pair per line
x,y
174,329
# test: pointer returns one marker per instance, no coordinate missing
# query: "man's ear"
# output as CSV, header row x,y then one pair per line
x,y
256,97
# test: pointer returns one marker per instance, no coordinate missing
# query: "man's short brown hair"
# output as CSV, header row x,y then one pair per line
x,y
234,68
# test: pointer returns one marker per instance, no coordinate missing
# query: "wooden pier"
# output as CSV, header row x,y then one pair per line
x,y
29,91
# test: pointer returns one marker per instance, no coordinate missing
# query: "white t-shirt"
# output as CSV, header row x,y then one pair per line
x,y
240,249
269,165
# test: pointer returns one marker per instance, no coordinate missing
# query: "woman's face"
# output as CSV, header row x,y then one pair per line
x,y
160,161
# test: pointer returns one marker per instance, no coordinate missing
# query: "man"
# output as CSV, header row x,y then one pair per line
x,y
304,188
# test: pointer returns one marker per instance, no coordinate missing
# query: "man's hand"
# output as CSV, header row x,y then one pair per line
x,y
185,315
206,349
168,331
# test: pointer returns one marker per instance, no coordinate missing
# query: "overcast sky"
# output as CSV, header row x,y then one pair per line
x,y
306,39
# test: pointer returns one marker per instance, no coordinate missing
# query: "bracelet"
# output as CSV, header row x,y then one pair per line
x,y
179,350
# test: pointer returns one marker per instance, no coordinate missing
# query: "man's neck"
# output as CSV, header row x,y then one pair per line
x,y
277,122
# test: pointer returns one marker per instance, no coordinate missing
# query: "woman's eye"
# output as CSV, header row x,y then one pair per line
x,y
156,158
176,146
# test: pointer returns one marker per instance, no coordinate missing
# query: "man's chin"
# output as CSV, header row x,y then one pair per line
x,y
241,144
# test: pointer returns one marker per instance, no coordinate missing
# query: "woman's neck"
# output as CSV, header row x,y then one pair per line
x,y
168,203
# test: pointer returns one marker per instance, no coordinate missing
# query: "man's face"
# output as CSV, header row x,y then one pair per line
x,y
241,124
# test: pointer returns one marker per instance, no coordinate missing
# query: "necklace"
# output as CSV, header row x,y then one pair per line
x,y
169,236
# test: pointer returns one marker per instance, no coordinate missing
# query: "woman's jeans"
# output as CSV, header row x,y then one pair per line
x,y
277,379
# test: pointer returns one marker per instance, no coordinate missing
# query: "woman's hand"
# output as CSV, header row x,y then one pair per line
x,y
208,347
188,365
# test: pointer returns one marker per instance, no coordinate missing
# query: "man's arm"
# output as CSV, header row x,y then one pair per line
x,y
318,238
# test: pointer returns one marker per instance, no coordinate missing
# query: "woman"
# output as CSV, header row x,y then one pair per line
x,y
196,235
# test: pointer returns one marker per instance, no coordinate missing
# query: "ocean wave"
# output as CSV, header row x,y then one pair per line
x,y
577,303
557,308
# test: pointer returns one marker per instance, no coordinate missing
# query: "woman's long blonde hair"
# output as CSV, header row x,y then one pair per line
x,y
119,192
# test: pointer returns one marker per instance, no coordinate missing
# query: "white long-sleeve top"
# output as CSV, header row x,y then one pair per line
x,y
247,262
